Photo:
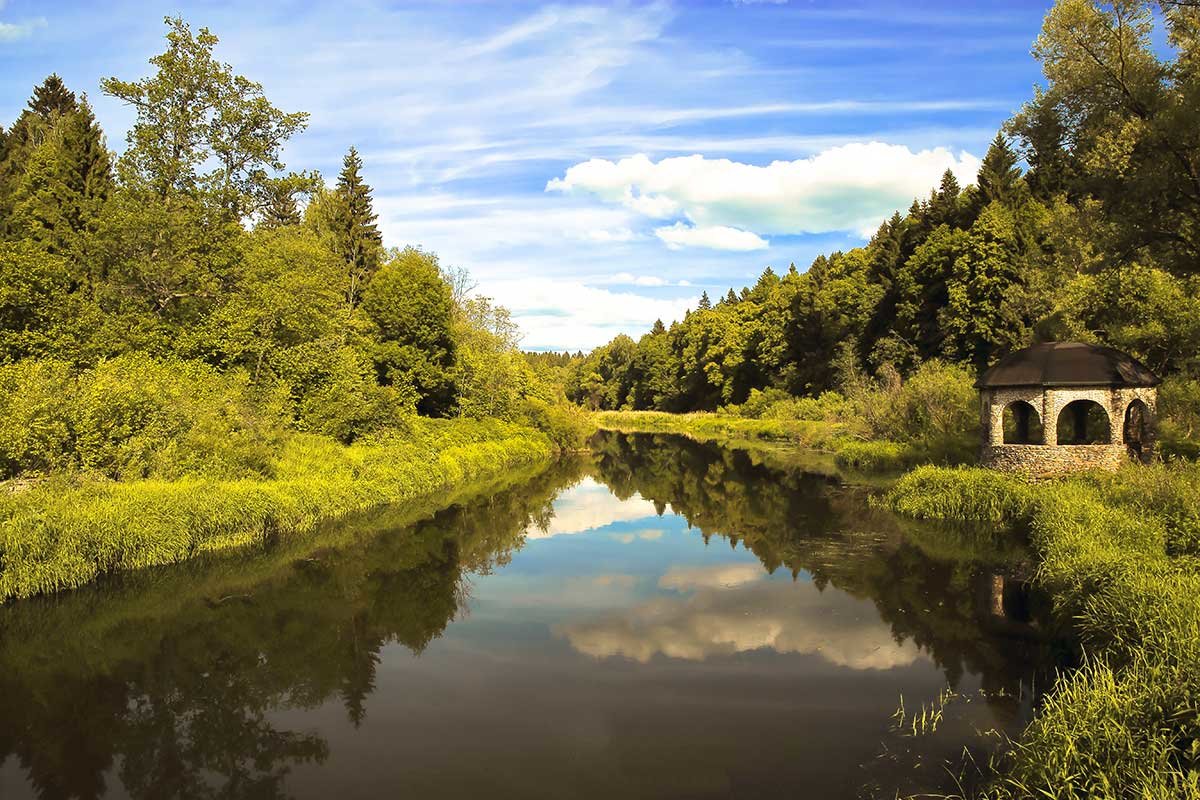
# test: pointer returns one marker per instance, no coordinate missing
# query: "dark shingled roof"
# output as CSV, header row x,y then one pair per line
x,y
1067,364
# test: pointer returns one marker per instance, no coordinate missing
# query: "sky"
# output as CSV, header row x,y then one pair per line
x,y
595,167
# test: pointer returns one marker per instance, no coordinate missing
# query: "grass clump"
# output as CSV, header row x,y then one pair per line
x,y
62,534
1114,552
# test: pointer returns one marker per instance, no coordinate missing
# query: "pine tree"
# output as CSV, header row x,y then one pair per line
x,y
658,328
999,174
943,204
705,304
358,237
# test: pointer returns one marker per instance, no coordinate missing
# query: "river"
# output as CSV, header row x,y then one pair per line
x,y
660,619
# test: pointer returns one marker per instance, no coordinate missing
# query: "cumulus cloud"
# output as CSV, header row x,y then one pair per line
x,y
850,187
714,237
722,618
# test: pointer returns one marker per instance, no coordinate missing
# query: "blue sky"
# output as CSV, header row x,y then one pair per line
x,y
594,166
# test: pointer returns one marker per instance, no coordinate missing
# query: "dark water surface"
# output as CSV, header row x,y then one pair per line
x,y
662,620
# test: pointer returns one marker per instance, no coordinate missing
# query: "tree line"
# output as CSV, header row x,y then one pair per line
x,y
1096,240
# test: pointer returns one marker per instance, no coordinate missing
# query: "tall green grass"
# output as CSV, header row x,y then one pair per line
x,y
59,535
1116,554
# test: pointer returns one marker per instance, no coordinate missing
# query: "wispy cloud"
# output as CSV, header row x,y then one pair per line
x,y
14,31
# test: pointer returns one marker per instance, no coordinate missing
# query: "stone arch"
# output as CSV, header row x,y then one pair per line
x,y
1136,427
1084,422
1022,423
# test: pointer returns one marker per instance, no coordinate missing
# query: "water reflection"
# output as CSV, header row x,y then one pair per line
x,y
670,619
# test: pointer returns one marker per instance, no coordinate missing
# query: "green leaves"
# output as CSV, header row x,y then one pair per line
x,y
202,131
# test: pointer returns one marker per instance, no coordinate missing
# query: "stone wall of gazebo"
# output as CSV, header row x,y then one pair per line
x,y
1048,457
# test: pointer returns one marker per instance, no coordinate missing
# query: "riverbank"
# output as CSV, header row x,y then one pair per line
x,y
834,438
1119,556
63,533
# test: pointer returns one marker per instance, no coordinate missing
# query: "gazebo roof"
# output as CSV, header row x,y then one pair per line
x,y
1068,364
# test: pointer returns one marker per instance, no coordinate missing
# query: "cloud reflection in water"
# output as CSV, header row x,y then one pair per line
x,y
733,608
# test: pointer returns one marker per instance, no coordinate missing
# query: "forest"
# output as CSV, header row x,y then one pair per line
x,y
200,347
1081,225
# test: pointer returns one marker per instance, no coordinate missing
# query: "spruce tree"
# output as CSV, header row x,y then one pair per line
x,y
66,179
358,239
50,101
999,174
705,304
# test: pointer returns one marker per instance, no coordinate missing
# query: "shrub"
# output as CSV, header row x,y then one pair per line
x,y
35,417
135,417
567,425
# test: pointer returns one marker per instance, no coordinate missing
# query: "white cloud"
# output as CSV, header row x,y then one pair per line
x,y
714,237
588,506
562,313
13,31
721,576
722,617
851,187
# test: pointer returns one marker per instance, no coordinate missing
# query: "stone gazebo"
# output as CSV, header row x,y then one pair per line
x,y
1064,406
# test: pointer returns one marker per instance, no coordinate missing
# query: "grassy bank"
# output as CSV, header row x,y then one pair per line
x,y
835,438
64,533
1118,554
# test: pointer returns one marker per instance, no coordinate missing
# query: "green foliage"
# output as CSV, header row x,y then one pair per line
x,y
1117,552
54,537
412,310
134,417
202,131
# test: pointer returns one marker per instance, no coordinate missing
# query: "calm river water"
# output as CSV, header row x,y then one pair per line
x,y
664,619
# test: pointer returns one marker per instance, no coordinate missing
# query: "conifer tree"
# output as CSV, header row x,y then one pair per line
x,y
65,182
358,239
50,100
705,304
999,174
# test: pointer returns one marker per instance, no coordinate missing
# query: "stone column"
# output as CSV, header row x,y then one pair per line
x,y
1116,417
1049,418
995,418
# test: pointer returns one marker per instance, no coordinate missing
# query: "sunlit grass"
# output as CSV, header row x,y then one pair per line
x,y
60,535
1115,553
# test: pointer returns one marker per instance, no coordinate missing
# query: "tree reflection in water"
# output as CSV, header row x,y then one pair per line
x,y
176,682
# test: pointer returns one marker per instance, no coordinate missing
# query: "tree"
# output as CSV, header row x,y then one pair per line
x,y
51,99
999,175
66,180
351,220
411,308
704,303
202,131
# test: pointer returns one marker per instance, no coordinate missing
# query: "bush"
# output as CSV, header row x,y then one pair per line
x,y
35,417
135,417
567,425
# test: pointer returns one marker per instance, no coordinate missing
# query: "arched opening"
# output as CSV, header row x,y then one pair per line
x,y
1137,427
1083,422
1022,424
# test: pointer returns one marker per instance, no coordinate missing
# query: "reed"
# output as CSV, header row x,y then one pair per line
x,y
1115,553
